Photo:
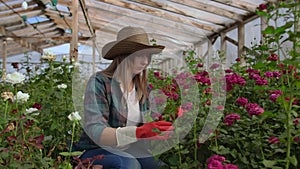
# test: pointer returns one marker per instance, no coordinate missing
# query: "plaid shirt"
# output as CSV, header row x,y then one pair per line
x,y
102,108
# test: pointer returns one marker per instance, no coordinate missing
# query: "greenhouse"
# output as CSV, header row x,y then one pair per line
x,y
150,84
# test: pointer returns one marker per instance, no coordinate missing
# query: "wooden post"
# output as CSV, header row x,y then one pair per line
x,y
4,52
223,42
241,41
74,43
263,26
94,54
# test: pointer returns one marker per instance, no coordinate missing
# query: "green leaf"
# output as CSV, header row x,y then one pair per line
x,y
269,30
174,160
269,163
75,153
293,160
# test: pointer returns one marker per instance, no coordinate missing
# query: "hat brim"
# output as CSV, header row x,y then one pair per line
x,y
124,47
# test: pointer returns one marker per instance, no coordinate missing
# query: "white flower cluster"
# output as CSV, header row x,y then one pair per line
x,y
15,78
62,86
32,110
49,56
21,97
74,116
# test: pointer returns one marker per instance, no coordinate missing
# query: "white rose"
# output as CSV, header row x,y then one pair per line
x,y
74,116
15,78
31,110
62,86
22,97
49,56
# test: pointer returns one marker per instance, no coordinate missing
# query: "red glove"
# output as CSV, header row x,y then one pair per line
x,y
152,130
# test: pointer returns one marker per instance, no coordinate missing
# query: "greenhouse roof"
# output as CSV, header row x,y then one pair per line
x,y
41,24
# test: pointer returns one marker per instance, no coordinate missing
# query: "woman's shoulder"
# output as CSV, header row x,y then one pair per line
x,y
101,77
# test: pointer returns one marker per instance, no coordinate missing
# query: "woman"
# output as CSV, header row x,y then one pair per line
x,y
115,103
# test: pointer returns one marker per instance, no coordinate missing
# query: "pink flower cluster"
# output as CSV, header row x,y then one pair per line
x,y
232,79
273,57
270,74
273,140
275,94
216,162
241,101
254,109
230,119
202,77
296,121
262,7
255,74
158,76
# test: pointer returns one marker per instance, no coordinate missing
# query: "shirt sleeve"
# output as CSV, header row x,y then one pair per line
x,y
96,108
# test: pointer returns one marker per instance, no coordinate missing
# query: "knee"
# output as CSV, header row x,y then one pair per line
x,y
128,163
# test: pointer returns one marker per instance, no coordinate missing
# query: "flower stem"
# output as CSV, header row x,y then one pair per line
x,y
5,111
196,140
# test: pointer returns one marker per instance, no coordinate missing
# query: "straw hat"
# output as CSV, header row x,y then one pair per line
x,y
130,40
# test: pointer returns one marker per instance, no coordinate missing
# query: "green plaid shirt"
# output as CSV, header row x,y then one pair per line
x,y
102,108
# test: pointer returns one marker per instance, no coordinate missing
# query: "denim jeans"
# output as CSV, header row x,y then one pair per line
x,y
115,159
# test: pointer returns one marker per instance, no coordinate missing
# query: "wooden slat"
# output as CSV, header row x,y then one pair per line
x,y
210,8
13,4
149,27
113,16
239,4
28,30
4,56
182,10
162,13
15,18
23,42
74,42
19,10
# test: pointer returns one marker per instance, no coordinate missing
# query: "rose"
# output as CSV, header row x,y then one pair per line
x,y
22,97
31,110
15,78
74,116
48,56
7,96
62,86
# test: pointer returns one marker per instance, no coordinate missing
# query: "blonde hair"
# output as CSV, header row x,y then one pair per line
x,y
120,70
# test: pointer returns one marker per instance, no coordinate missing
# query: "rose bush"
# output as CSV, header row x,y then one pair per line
x,y
260,121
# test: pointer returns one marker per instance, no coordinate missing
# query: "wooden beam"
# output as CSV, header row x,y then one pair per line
x,y
22,28
28,31
20,10
115,26
162,14
88,22
22,42
234,42
74,43
241,39
114,14
183,10
4,56
15,18
223,42
210,8
239,4
13,5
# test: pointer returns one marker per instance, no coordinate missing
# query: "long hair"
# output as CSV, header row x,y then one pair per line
x,y
120,69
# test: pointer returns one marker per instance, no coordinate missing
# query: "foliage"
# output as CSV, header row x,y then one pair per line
x,y
35,139
260,125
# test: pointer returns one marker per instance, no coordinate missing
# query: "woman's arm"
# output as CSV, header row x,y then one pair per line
x,y
108,137
97,112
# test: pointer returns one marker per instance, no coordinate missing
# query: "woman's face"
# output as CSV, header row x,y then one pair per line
x,y
140,63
